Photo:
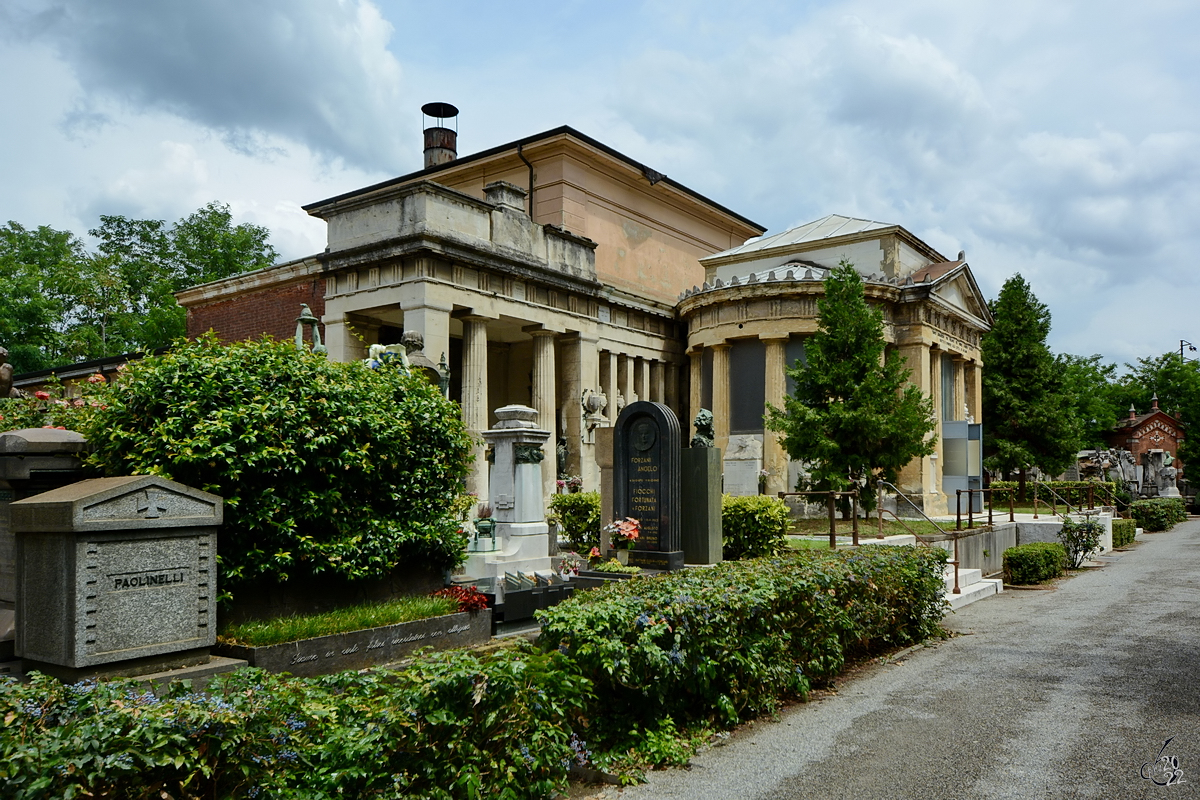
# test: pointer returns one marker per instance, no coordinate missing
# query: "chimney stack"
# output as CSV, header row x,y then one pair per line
x,y
441,142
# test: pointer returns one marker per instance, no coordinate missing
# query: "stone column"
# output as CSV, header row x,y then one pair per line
x,y
580,372
475,399
933,483
658,382
672,393
695,389
640,380
720,395
625,379
975,391
341,340
544,402
775,460
916,476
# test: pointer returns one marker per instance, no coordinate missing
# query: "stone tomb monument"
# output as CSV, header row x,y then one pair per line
x,y
700,485
646,482
522,535
116,576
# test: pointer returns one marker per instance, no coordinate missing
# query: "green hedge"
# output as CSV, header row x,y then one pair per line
x,y
1074,492
578,518
453,725
724,643
753,526
1034,562
1123,532
1158,513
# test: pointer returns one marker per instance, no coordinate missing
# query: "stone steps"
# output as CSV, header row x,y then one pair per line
x,y
972,587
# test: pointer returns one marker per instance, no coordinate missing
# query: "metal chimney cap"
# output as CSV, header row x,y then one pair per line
x,y
439,110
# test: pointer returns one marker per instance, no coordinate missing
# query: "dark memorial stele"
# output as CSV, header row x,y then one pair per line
x,y
646,482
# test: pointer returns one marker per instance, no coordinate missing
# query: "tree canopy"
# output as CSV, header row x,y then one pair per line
x,y
63,303
853,414
1030,421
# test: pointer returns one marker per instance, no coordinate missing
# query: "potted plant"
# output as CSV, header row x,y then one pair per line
x,y
623,534
485,525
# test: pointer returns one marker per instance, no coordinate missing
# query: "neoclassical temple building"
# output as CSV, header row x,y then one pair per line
x,y
559,273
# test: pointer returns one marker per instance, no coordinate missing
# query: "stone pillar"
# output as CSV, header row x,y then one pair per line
x,y
720,395
916,476
341,340
608,383
640,381
475,399
695,389
580,371
658,382
544,402
933,482
775,460
671,398
433,323
625,379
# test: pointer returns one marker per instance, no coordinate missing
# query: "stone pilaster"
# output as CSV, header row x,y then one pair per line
x,y
917,477
720,395
475,399
960,387
775,460
658,382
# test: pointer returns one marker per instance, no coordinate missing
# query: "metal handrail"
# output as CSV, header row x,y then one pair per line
x,y
1054,508
946,534
831,498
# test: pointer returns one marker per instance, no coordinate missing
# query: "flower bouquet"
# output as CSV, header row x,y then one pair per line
x,y
623,534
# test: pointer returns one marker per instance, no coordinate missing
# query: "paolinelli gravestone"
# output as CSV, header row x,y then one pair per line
x,y
646,482
116,576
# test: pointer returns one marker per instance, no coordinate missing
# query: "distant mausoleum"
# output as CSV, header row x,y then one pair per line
x,y
558,273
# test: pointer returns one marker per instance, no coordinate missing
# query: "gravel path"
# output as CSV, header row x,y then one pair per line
x,y
1060,693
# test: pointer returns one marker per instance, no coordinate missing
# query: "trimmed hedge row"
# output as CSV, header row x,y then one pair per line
x,y
454,725
1123,532
615,670
725,643
1158,513
1034,562
753,526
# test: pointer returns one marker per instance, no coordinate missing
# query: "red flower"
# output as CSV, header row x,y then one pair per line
x,y
40,395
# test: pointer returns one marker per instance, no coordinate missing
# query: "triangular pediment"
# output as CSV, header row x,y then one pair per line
x,y
138,502
958,290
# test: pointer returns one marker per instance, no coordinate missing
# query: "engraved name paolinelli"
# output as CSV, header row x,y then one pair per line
x,y
170,576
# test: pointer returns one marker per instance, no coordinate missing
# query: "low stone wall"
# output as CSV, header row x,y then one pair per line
x,y
366,648
983,549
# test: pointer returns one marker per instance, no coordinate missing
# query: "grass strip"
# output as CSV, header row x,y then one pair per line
x,y
261,633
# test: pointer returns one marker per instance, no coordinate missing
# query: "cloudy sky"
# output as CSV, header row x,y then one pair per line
x,y
1059,140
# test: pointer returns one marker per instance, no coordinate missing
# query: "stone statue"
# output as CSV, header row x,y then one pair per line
x,y
704,429
562,452
6,377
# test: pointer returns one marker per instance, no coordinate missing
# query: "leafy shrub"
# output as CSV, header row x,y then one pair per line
x,y
1123,532
724,643
753,526
453,725
578,517
324,467
1158,513
1079,540
1034,562
52,407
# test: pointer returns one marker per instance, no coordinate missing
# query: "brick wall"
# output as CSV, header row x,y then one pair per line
x,y
248,316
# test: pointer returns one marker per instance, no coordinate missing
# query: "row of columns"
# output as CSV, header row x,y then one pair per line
x,y
637,378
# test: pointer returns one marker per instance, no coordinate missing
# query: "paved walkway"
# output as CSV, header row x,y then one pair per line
x,y
1061,693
